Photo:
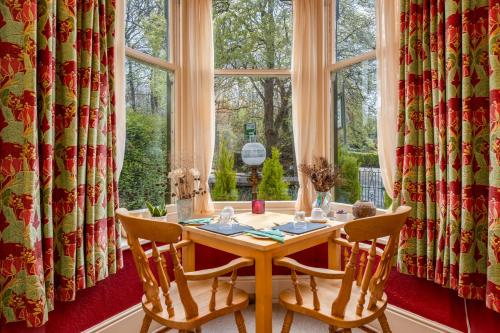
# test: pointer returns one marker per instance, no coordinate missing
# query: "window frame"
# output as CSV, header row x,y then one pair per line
x,y
171,65
253,73
335,66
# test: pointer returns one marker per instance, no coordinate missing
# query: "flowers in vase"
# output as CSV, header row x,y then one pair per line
x,y
322,174
187,183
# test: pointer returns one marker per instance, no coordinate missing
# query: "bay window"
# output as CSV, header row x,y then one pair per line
x,y
252,46
149,74
354,101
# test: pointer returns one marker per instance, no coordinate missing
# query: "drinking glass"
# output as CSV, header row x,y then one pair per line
x,y
226,218
299,221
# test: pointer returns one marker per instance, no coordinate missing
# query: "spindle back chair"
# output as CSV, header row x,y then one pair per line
x,y
346,299
194,298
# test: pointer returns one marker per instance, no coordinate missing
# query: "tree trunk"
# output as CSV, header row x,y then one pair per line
x,y
270,131
131,82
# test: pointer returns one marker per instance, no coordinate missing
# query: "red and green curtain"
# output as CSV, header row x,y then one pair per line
x,y
448,153
58,193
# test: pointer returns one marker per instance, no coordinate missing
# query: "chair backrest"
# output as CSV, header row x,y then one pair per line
x,y
140,227
363,230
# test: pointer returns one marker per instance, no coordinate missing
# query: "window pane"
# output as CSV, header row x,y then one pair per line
x,y
252,34
355,102
146,29
146,164
355,27
265,102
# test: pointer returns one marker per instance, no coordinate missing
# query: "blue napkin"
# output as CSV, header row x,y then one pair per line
x,y
204,220
276,235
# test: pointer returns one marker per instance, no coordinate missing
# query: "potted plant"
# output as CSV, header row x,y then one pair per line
x,y
324,176
157,212
186,185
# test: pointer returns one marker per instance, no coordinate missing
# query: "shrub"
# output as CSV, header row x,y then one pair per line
x,y
225,177
350,190
367,160
272,185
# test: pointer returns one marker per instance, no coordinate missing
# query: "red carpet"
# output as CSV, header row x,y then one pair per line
x,y
123,290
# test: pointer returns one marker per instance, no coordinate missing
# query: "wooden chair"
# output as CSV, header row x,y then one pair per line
x,y
344,299
194,298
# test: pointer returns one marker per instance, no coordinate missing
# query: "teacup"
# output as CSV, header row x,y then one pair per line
x,y
317,214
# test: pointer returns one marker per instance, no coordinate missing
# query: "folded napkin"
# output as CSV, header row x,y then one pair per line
x,y
276,235
204,220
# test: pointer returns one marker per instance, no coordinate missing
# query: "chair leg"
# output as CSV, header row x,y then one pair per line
x,y
287,323
384,324
146,322
240,322
332,329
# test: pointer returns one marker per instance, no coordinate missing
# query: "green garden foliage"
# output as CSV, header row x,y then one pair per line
x,y
367,160
273,186
224,188
350,190
145,168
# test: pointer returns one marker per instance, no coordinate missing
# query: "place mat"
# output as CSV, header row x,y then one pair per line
x,y
310,226
224,230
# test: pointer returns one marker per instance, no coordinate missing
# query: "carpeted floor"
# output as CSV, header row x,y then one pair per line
x,y
300,323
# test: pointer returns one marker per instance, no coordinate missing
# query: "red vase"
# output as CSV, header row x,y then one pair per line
x,y
258,206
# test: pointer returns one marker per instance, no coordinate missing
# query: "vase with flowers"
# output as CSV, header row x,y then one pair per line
x,y
324,176
186,185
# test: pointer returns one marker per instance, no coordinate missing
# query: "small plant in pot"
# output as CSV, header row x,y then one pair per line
x,y
159,211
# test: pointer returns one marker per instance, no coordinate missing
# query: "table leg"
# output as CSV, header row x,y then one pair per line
x,y
334,252
263,294
188,259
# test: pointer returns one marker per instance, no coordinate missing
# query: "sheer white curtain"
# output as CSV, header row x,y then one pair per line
x,y
387,81
119,81
309,111
195,121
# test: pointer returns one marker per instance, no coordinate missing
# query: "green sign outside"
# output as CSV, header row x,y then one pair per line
x,y
250,130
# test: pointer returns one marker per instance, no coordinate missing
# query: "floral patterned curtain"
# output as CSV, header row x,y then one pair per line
x,y
449,145
57,184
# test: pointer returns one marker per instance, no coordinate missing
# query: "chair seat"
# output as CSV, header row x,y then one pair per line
x,y
327,292
201,292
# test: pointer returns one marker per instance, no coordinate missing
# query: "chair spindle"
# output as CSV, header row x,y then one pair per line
x,y
232,282
190,306
150,285
366,278
382,273
215,285
314,290
361,270
295,282
339,304
161,267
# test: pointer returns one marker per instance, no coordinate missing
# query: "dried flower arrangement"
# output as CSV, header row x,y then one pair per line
x,y
187,183
323,174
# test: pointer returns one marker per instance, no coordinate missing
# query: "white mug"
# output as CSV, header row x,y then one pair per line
x,y
317,214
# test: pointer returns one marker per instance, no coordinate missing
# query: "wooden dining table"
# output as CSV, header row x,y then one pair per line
x,y
263,251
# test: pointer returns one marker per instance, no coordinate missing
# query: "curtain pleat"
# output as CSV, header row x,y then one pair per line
x,y
447,155
57,135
